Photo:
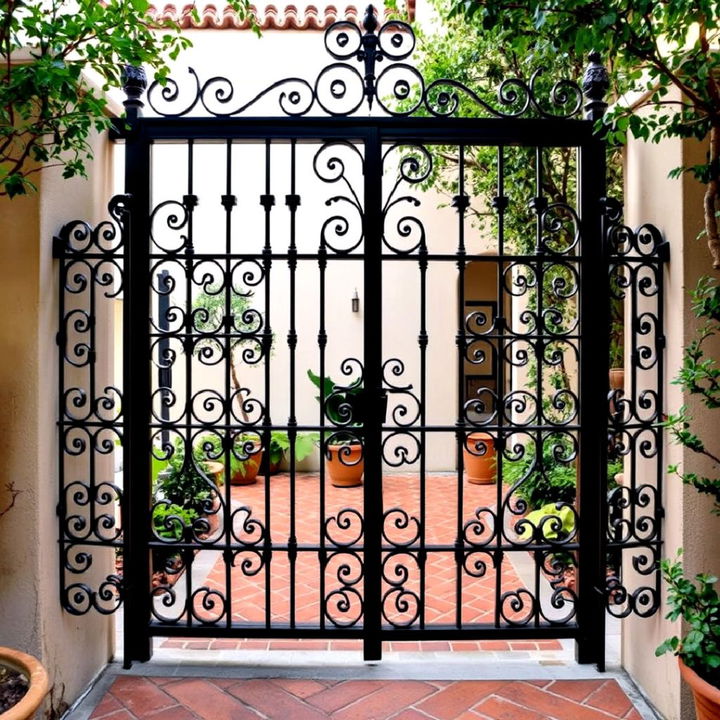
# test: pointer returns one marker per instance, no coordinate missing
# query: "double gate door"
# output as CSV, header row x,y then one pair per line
x,y
406,296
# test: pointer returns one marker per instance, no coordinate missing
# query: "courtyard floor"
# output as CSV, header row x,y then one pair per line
x,y
449,596
172,698
287,679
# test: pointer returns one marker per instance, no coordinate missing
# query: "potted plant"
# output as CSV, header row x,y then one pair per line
x,y
280,447
696,600
479,458
343,450
245,458
23,679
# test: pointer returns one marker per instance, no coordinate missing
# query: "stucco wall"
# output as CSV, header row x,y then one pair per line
x,y
675,206
73,649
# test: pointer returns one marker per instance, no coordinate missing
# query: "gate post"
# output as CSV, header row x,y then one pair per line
x,y
594,383
136,378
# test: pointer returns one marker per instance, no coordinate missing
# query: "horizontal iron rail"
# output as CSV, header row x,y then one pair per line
x,y
524,132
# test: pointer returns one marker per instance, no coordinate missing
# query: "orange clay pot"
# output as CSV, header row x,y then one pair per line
x,y
346,470
707,696
248,474
480,469
617,378
31,668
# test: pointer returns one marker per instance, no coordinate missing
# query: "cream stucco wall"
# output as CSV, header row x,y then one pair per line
x,y
675,206
73,649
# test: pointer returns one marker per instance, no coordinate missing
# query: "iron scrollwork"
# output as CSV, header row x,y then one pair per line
x,y
341,89
635,411
91,418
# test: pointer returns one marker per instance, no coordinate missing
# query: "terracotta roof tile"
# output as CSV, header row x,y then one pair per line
x,y
271,18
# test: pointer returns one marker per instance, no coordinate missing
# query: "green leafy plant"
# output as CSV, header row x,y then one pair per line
x,y
182,483
697,603
169,520
343,405
553,483
700,375
280,445
558,529
48,109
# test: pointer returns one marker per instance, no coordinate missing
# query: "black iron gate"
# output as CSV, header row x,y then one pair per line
x,y
236,263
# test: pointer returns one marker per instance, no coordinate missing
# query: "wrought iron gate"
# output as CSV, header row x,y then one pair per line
x,y
266,222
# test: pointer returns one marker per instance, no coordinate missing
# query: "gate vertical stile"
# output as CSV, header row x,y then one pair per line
x,y
373,406
137,379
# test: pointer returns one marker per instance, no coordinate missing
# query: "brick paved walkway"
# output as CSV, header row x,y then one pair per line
x,y
249,592
138,698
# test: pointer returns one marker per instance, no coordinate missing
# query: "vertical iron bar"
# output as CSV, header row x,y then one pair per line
x,y
228,201
137,400
540,206
164,374
267,201
423,343
594,368
292,201
460,203
322,344
373,420
500,204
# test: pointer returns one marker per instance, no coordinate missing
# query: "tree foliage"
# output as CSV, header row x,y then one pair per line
x,y
651,48
47,107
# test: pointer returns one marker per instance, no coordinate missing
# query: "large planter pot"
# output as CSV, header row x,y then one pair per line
x,y
345,465
480,469
247,475
214,470
37,679
707,696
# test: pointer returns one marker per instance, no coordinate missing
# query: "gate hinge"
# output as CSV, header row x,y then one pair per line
x,y
661,342
58,247
60,338
663,251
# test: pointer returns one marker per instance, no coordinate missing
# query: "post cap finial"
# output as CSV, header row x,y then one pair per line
x,y
596,82
134,83
370,21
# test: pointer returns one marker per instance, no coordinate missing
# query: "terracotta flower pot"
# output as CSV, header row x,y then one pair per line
x,y
617,378
480,469
37,679
346,470
247,475
707,696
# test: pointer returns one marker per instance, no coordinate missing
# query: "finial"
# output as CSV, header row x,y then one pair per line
x,y
134,83
595,84
370,21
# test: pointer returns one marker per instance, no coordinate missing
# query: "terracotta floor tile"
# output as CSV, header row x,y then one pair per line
x,y
273,701
107,705
208,702
140,696
501,709
385,702
611,698
552,706
457,698
576,690
342,694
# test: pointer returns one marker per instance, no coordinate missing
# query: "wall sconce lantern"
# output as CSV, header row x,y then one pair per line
x,y
355,302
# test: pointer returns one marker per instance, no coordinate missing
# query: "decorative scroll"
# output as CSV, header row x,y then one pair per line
x,y
635,409
380,76
91,418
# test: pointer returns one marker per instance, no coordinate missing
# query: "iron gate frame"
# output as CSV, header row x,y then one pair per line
x,y
598,221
